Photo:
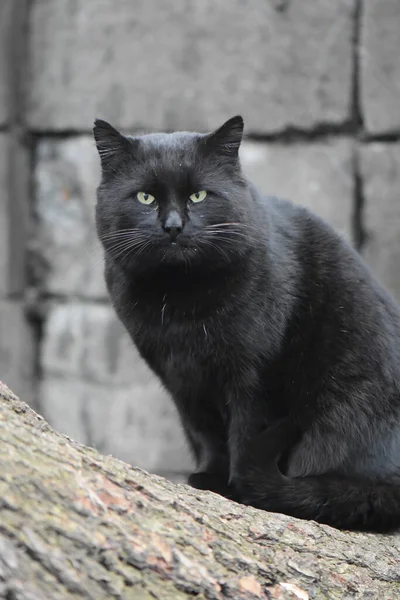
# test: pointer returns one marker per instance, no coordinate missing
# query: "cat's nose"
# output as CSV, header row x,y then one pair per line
x,y
173,224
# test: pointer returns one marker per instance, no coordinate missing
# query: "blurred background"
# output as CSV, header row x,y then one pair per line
x,y
318,84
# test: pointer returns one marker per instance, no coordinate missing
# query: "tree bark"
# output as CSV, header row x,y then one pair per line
x,y
75,524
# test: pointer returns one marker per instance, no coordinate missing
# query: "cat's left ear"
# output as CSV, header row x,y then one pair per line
x,y
112,146
227,138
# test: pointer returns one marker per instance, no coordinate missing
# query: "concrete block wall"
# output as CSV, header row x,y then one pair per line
x,y
5,20
318,84
184,63
17,340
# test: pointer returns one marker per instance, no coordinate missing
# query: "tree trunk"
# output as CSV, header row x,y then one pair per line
x,y
75,524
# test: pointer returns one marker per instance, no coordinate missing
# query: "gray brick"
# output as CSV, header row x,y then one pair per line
x,y
63,402
86,341
4,217
190,64
5,19
316,175
97,389
380,66
66,176
20,208
381,178
16,350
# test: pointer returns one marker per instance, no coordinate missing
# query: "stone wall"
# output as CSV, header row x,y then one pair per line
x,y
318,84
17,343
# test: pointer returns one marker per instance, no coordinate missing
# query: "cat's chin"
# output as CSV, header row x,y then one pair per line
x,y
176,255
171,254
176,252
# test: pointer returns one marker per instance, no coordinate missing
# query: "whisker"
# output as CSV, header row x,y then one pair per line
x,y
226,234
122,235
128,247
233,226
123,245
225,223
118,249
121,231
97,262
121,240
216,247
124,242
141,249
230,224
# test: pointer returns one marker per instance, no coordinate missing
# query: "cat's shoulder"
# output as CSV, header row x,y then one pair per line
x,y
294,219
285,209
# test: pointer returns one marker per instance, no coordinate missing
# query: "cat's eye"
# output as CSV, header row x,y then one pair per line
x,y
198,196
145,198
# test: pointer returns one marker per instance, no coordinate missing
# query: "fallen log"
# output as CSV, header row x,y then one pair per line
x,y
75,524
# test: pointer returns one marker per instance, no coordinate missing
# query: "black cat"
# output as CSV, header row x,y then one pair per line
x,y
278,346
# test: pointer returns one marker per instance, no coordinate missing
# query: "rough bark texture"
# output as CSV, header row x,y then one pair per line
x,y
75,524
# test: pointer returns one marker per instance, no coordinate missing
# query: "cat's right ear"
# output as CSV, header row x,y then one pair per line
x,y
112,146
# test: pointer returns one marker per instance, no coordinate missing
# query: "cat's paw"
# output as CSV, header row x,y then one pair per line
x,y
213,483
267,449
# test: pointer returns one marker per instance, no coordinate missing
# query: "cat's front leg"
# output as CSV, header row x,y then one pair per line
x,y
259,470
257,440
209,446
246,423
212,463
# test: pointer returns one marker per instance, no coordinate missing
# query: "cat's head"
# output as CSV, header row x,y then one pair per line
x,y
175,198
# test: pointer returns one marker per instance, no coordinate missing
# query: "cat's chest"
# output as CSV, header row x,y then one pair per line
x,y
176,335
184,353
188,336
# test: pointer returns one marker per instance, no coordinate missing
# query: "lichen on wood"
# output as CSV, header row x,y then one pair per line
x,y
75,524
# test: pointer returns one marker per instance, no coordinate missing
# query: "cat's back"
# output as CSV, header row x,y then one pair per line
x,y
332,275
294,228
296,222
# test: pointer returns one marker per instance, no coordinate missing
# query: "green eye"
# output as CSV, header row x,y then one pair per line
x,y
145,198
198,196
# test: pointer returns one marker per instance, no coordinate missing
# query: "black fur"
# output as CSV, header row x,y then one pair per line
x,y
278,346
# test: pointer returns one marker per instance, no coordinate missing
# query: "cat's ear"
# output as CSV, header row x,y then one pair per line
x,y
112,146
226,139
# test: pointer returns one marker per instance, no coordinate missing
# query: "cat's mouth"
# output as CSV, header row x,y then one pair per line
x,y
179,250
178,244
178,247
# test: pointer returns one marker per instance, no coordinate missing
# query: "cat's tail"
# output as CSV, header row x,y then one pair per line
x,y
345,503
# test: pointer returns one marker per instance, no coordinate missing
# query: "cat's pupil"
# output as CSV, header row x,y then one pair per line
x,y
145,196
197,194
